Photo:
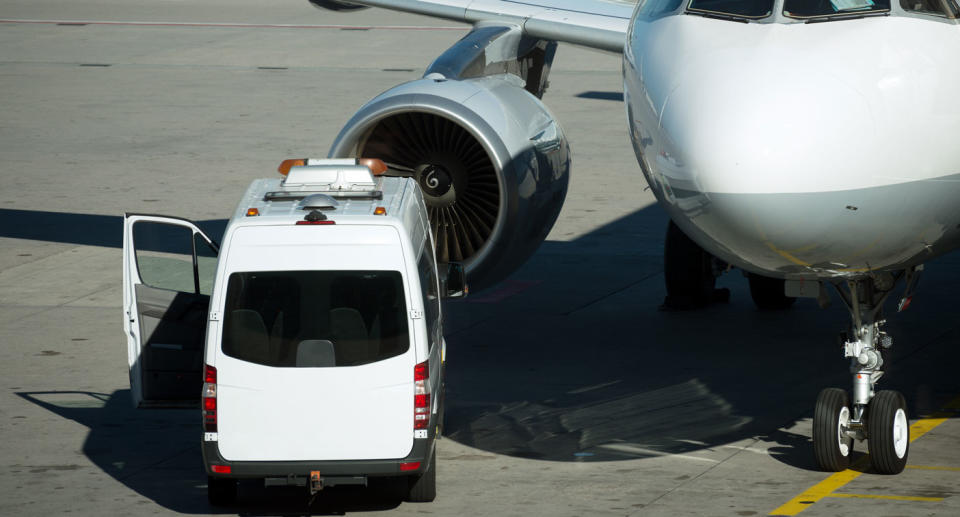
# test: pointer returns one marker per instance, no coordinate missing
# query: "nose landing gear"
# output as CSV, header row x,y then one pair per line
x,y
878,417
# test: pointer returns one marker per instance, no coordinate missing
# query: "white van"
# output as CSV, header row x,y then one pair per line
x,y
324,352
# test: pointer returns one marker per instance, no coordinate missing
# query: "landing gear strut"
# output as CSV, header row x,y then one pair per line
x,y
879,417
690,273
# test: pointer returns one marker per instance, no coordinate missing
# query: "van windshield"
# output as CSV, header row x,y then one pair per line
x,y
315,318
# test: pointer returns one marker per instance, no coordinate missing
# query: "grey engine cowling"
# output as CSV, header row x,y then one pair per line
x,y
489,156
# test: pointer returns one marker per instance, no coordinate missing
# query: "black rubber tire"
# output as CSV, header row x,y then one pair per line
x,y
423,488
881,433
826,442
767,293
687,270
221,491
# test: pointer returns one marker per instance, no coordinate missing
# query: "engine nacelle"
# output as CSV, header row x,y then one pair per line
x,y
490,158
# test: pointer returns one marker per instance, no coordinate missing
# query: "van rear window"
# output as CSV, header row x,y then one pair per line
x,y
315,318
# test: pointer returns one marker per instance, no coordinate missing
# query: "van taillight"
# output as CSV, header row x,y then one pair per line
x,y
209,399
421,398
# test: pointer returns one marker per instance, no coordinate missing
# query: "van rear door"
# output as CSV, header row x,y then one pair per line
x,y
317,356
168,268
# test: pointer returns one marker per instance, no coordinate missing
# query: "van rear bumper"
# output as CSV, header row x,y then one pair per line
x,y
422,451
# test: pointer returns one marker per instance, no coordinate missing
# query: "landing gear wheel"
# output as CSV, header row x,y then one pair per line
x,y
767,293
888,432
221,492
423,488
688,271
831,418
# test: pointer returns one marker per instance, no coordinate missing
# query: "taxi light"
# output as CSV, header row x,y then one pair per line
x,y
380,211
377,167
290,163
209,397
251,212
421,397
411,465
221,469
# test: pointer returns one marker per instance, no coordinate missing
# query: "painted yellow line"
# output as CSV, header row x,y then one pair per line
x,y
826,487
888,497
819,491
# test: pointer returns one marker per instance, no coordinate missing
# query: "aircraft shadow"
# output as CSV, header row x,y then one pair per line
x,y
577,364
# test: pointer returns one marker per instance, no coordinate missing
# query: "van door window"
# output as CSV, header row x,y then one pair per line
x,y
165,255
315,318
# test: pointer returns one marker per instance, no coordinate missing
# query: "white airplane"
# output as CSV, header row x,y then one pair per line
x,y
807,142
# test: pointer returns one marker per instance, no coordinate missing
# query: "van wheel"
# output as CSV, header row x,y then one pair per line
x,y
221,491
423,488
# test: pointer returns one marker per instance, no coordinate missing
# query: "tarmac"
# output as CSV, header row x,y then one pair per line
x,y
569,393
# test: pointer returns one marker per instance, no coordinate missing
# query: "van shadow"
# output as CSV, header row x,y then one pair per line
x,y
156,453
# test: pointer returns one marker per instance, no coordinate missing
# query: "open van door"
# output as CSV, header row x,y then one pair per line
x,y
168,269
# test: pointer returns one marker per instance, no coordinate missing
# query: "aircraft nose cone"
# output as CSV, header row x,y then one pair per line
x,y
754,142
744,128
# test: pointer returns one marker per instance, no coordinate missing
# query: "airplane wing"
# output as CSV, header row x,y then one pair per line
x,y
600,24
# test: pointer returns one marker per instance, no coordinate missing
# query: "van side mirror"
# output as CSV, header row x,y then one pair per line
x,y
453,280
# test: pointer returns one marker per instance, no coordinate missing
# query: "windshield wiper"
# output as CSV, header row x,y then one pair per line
x,y
720,16
847,16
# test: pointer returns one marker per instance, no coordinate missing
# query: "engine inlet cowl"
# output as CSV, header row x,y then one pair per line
x,y
490,159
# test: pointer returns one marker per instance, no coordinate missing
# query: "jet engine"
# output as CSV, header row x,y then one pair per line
x,y
490,158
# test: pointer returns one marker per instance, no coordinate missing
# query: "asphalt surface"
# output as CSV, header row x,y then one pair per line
x,y
569,393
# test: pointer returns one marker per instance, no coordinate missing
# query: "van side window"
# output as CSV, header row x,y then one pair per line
x,y
431,298
315,318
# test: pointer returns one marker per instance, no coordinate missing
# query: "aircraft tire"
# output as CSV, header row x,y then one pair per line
x,y
767,293
888,432
688,272
423,488
831,449
221,492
